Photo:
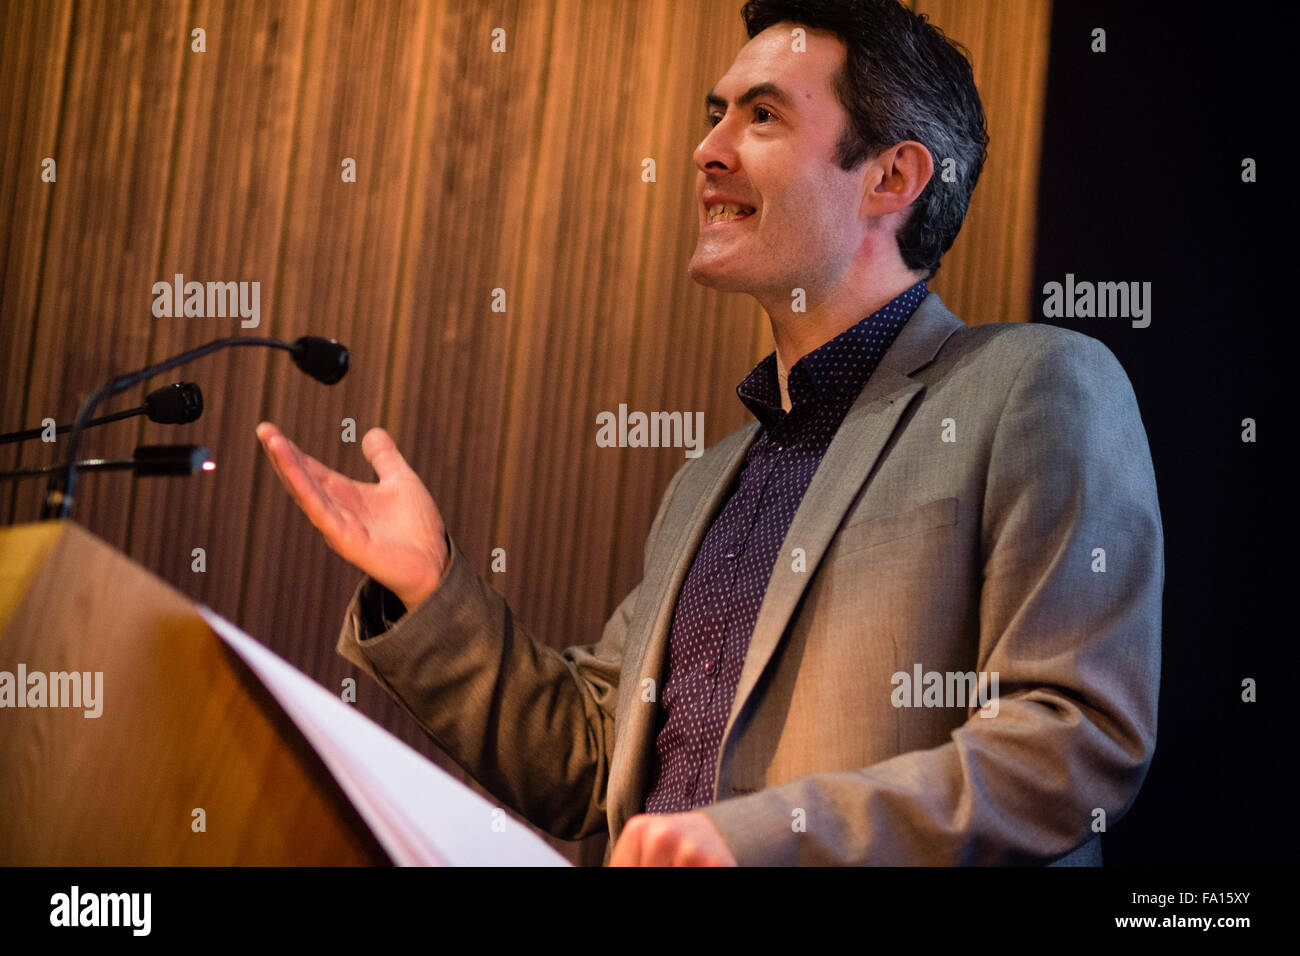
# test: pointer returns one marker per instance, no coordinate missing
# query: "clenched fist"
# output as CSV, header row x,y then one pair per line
x,y
671,839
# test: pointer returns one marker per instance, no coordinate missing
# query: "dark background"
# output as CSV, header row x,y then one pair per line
x,y
1141,181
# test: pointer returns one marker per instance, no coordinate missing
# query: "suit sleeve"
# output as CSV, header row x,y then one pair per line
x,y
533,725
1075,642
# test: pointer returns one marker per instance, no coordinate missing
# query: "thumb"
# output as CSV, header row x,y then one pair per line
x,y
378,447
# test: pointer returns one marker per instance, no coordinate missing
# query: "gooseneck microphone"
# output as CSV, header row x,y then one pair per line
x,y
147,460
325,360
176,404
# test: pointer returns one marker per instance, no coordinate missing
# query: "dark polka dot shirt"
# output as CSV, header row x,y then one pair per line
x,y
719,601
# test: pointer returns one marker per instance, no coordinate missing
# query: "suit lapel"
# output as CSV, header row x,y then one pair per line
x,y
846,466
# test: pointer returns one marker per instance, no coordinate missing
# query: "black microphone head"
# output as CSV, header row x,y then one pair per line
x,y
172,459
177,404
325,360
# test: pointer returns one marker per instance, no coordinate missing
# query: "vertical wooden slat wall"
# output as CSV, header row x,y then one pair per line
x,y
476,171
987,276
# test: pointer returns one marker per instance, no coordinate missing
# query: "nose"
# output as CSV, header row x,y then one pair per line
x,y
717,151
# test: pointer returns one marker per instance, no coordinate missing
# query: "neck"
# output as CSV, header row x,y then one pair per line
x,y
828,314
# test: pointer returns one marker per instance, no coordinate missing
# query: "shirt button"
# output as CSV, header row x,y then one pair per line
x,y
731,554
708,665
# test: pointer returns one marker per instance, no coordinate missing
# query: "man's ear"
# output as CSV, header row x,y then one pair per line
x,y
895,177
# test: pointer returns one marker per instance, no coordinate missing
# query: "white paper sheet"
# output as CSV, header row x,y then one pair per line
x,y
418,813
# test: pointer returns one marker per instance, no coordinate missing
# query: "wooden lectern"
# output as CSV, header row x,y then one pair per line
x,y
185,726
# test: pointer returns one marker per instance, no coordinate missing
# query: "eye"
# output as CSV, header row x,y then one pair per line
x,y
713,119
763,114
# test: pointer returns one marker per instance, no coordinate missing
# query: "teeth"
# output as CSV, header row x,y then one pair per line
x,y
725,212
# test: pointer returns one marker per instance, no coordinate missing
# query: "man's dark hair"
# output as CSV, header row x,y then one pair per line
x,y
902,79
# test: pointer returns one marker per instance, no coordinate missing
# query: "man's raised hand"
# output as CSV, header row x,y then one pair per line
x,y
390,529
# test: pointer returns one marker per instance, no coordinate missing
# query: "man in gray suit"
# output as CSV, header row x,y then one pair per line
x,y
909,614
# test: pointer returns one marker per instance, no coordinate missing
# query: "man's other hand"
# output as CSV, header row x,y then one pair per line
x,y
390,529
671,839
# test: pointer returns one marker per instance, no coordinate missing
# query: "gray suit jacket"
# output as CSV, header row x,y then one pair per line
x,y
987,506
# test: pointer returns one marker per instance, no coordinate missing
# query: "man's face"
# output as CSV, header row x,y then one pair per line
x,y
776,120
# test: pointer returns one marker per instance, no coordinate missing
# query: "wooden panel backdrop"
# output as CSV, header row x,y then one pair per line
x,y
476,170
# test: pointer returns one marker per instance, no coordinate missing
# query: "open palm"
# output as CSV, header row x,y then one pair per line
x,y
390,529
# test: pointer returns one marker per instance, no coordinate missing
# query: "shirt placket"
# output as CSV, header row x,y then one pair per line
x,y
731,639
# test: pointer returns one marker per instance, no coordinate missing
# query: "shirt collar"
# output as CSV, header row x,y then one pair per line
x,y
822,375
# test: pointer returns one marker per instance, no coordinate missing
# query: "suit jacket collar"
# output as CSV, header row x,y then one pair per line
x,y
847,463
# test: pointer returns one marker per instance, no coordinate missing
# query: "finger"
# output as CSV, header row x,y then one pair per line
x,y
688,853
658,849
267,435
289,472
306,493
378,447
278,450
316,471
319,472
630,855
627,849
306,480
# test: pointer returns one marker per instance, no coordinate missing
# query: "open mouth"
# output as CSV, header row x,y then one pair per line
x,y
727,212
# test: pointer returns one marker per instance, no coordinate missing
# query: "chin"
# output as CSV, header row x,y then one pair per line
x,y
714,276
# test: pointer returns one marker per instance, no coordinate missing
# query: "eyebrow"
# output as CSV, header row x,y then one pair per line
x,y
770,90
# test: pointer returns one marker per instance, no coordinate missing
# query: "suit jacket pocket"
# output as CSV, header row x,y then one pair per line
x,y
869,532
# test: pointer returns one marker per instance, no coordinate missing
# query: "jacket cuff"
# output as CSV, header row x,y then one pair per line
x,y
376,615
756,829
